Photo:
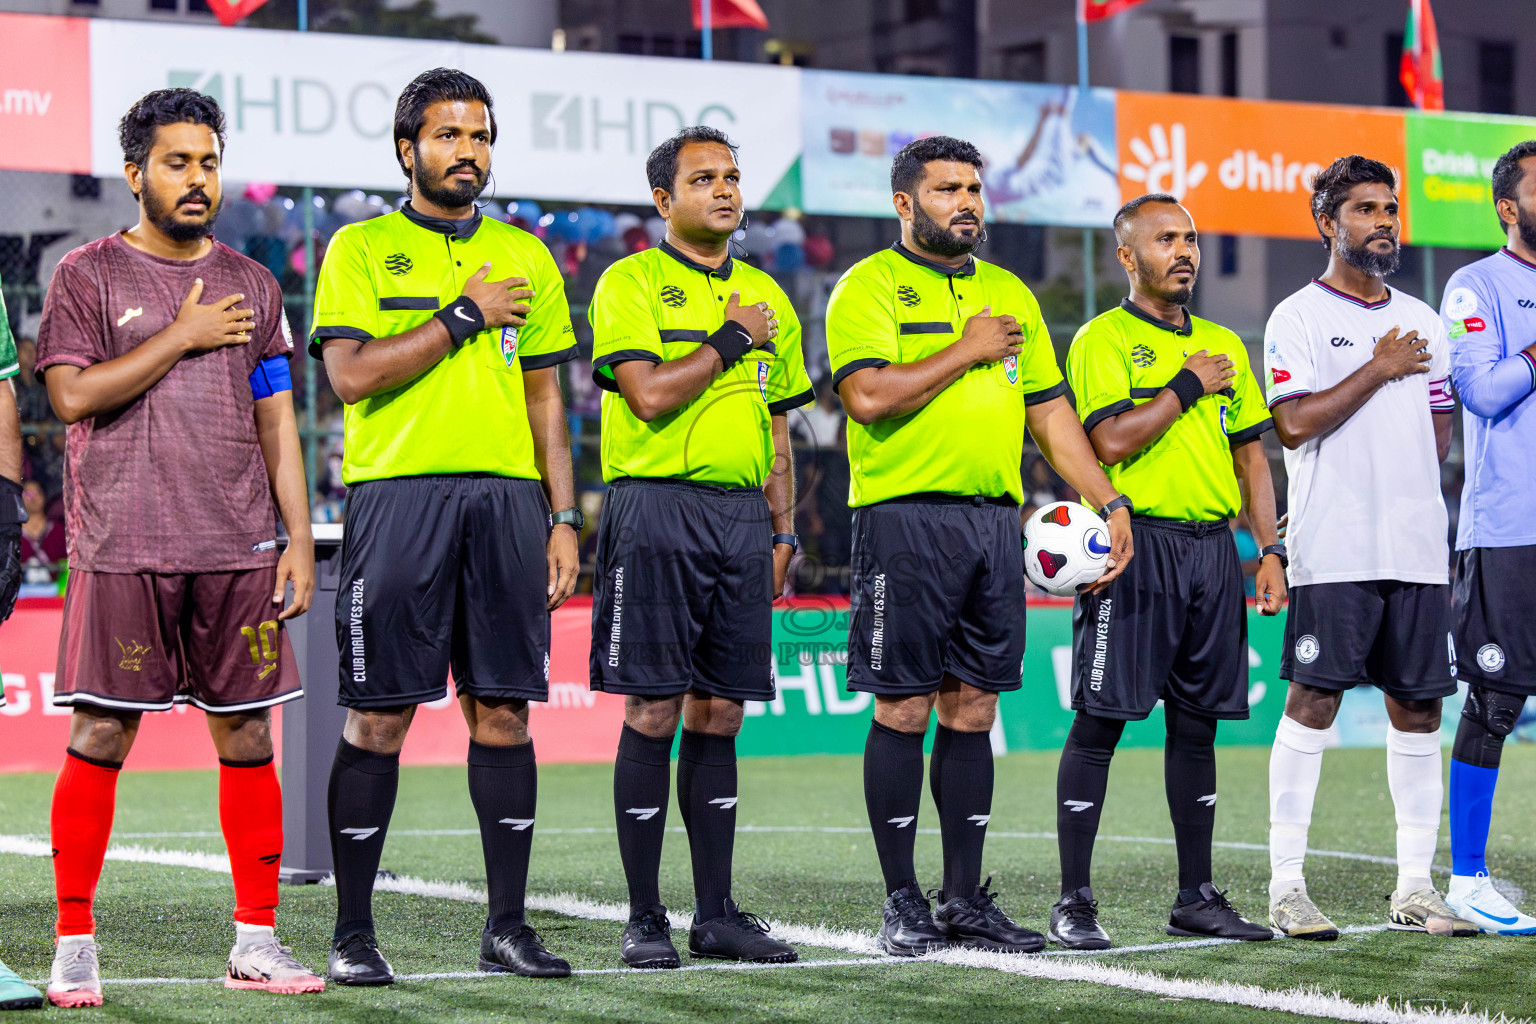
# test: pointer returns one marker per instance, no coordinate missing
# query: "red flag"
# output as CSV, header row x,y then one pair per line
x,y
730,14
1091,11
230,11
1419,70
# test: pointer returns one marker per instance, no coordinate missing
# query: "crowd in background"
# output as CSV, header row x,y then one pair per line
x,y
269,227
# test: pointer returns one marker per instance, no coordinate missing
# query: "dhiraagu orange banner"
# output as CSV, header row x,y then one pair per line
x,y
1244,167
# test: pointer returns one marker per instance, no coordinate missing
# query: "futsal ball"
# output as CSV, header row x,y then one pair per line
x,y
1066,546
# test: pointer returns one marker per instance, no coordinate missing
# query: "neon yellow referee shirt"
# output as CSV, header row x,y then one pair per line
x,y
1124,357
897,307
468,413
658,305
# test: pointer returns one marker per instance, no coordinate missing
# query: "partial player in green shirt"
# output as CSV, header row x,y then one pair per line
x,y
12,512
1175,414
699,354
943,362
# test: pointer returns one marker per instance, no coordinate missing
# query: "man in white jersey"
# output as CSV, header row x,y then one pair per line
x,y
1358,385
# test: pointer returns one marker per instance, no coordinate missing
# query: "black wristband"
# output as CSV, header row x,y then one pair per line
x,y
462,318
12,509
1187,387
732,341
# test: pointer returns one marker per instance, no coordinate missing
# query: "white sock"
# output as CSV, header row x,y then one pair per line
x,y
74,940
1413,776
248,935
1295,762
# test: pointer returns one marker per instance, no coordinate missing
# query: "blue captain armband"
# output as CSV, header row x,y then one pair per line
x,y
270,376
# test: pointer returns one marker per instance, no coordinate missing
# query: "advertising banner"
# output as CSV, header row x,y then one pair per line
x,y
1244,167
1049,149
45,96
1450,160
318,108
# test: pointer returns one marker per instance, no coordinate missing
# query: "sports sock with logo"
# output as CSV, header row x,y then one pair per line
x,y
360,800
1082,777
504,787
893,790
1413,776
642,775
251,815
960,777
706,796
84,798
1189,776
1295,763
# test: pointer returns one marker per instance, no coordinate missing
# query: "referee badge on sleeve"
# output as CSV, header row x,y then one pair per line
x,y
762,378
509,344
1011,368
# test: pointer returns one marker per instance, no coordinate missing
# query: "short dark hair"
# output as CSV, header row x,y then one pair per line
x,y
1331,185
907,168
661,165
1128,211
136,131
1507,172
440,85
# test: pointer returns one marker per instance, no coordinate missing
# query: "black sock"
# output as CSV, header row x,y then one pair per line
x,y
1189,774
1082,778
504,787
706,796
893,790
360,800
642,776
960,776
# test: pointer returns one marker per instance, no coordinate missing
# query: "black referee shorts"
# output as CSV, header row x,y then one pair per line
x,y
440,572
1493,628
938,588
1390,634
683,596
1172,627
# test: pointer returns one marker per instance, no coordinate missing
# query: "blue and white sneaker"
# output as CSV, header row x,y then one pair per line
x,y
1474,898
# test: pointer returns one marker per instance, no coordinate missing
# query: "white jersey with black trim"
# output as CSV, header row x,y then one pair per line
x,y
1364,499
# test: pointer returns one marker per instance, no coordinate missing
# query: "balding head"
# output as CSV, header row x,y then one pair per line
x,y
1129,214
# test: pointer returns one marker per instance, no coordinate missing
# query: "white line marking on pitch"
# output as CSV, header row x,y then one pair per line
x,y
1049,967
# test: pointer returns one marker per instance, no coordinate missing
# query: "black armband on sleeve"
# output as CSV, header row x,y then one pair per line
x,y
732,341
462,318
1187,387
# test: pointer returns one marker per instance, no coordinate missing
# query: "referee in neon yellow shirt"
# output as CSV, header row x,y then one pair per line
x,y
700,357
943,361
1176,416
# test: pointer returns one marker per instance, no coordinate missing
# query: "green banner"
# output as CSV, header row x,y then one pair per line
x,y
815,714
1450,160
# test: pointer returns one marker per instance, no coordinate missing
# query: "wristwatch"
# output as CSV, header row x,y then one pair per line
x,y
793,540
1114,505
571,517
1278,550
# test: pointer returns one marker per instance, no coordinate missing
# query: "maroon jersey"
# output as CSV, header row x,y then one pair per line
x,y
174,481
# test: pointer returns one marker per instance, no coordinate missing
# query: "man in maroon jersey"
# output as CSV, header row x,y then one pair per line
x,y
166,353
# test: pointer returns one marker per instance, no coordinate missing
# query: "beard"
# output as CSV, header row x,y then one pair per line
x,y
1179,296
1527,226
449,195
163,216
1367,261
941,240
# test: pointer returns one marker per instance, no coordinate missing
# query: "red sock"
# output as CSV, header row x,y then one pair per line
x,y
251,813
84,798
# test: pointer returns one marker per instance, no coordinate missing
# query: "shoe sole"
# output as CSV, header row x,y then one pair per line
x,y
993,946
1454,933
895,949
1051,936
660,963
362,982
290,988
24,1003
70,1000
780,958
1187,934
490,967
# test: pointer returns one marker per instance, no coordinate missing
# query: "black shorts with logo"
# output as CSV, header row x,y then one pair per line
x,y
1172,627
683,595
441,572
938,588
1493,628
1388,633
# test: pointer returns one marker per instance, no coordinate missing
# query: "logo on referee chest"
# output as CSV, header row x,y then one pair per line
x,y
674,296
398,264
762,379
1011,368
908,295
509,344
1142,355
